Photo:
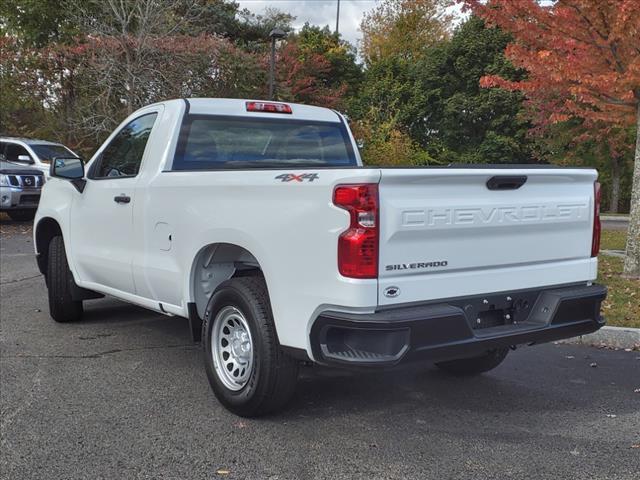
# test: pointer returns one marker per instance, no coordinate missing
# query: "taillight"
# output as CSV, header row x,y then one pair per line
x,y
358,245
269,107
595,243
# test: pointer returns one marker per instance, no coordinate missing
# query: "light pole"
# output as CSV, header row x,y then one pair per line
x,y
275,34
338,19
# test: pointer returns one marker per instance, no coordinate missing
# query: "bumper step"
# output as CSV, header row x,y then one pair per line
x,y
458,328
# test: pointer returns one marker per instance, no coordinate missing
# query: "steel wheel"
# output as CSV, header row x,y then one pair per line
x,y
232,348
248,372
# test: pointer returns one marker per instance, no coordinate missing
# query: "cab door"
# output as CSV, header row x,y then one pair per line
x,y
102,216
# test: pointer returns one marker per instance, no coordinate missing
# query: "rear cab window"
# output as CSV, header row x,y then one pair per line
x,y
213,142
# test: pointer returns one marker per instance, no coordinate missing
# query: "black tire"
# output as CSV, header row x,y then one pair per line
x,y
475,365
62,307
21,215
272,378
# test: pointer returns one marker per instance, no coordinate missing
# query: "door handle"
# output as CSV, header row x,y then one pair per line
x,y
506,182
122,198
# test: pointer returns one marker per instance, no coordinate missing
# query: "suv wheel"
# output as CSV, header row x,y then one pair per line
x,y
247,370
21,215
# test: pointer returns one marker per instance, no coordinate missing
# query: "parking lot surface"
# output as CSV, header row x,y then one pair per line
x,y
123,394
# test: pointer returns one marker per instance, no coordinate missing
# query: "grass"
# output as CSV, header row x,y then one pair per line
x,y
622,306
613,240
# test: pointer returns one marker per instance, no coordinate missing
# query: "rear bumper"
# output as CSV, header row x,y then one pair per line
x,y
463,327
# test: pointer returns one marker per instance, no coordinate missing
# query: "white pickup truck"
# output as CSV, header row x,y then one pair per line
x,y
257,222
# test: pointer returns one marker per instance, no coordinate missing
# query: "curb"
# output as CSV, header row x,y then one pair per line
x,y
615,218
609,337
613,253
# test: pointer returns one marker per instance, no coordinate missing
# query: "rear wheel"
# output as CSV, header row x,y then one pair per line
x,y
62,306
21,215
248,372
475,365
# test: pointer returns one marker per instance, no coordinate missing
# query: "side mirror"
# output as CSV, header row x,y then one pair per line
x,y
69,168
25,159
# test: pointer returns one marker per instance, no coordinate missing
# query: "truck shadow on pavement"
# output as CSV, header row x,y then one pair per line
x,y
533,380
109,310
540,380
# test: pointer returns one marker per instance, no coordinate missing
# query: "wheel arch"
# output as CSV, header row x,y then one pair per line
x,y
213,264
45,230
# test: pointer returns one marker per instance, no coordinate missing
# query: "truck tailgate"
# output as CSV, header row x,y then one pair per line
x,y
444,233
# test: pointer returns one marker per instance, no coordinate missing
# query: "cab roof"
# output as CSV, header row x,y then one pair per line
x,y
238,107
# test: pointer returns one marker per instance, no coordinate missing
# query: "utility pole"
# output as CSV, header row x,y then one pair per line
x,y
338,19
275,34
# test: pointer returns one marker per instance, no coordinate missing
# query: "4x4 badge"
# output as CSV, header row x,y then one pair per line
x,y
292,177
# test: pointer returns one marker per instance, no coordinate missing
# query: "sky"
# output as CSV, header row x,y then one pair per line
x,y
319,12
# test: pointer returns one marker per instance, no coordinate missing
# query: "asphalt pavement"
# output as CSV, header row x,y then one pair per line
x,y
123,394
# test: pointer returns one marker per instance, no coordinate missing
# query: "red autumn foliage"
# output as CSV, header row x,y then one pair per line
x,y
300,78
583,56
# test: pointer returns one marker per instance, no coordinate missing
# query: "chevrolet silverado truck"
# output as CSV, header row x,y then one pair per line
x,y
258,223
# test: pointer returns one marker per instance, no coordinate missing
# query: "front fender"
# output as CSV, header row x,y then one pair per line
x,y
55,206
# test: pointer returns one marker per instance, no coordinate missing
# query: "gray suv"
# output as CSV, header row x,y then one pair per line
x,y
20,188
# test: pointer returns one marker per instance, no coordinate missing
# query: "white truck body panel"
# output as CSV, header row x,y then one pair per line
x,y
145,252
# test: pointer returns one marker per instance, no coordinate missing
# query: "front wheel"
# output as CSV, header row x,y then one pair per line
x,y
475,365
62,306
248,372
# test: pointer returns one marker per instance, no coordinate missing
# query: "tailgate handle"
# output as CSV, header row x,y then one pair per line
x,y
503,182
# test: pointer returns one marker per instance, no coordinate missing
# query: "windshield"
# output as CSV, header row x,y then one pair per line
x,y
215,142
46,152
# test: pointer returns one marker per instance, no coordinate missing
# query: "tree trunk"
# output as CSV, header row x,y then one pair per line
x,y
632,258
614,199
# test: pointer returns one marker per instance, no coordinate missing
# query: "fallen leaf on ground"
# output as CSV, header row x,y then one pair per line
x,y
222,471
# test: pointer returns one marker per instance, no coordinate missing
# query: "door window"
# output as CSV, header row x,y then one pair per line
x,y
13,150
123,156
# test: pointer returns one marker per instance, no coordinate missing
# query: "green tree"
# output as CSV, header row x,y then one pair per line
x,y
436,100
341,55
451,116
404,28
37,22
396,34
253,31
214,17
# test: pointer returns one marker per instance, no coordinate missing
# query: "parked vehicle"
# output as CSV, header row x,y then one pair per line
x,y
257,222
34,153
19,190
